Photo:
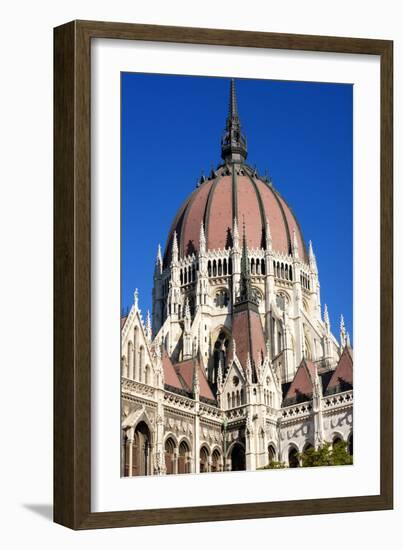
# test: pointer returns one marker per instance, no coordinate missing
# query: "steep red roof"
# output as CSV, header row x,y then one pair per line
x,y
170,376
248,333
343,375
185,370
302,383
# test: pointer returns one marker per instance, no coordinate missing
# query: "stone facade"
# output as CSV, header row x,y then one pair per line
x,y
238,366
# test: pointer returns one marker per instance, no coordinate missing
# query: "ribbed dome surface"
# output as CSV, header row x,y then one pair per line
x,y
234,191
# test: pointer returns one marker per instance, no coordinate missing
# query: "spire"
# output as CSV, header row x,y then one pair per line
x,y
175,254
159,255
148,326
245,287
326,317
312,258
202,247
196,381
233,143
343,336
158,262
136,298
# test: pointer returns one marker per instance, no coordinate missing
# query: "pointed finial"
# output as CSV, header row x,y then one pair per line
x,y
343,337
202,239
348,340
326,316
233,143
295,244
175,254
233,348
148,326
268,236
312,258
196,381
158,262
136,298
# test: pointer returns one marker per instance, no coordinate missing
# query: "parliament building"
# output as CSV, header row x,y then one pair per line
x,y
238,366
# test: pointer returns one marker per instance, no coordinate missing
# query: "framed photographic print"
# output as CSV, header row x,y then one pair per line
x,y
223,275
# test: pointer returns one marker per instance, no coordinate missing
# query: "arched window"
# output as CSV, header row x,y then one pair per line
x,y
130,356
170,456
225,266
237,458
142,361
293,460
230,266
271,451
216,465
147,375
219,268
336,439
184,458
209,268
135,354
290,273
141,450
126,450
214,268
204,454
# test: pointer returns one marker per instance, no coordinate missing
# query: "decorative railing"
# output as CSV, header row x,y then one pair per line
x,y
137,388
237,412
337,400
176,400
296,411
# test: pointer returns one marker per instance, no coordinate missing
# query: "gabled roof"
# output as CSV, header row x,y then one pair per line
x,y
342,378
301,386
185,372
247,332
170,375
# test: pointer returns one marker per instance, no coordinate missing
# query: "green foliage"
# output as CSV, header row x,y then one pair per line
x,y
273,465
326,455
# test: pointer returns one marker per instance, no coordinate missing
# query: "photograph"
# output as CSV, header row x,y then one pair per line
x,y
236,274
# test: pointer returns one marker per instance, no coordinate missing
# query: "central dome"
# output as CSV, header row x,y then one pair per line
x,y
234,191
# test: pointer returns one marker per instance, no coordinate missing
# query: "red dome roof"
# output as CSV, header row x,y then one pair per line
x,y
234,191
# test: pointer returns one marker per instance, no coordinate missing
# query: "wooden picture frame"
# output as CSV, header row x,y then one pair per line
x,y
72,271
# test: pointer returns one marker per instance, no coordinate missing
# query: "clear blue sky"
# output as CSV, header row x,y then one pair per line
x,y
301,133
